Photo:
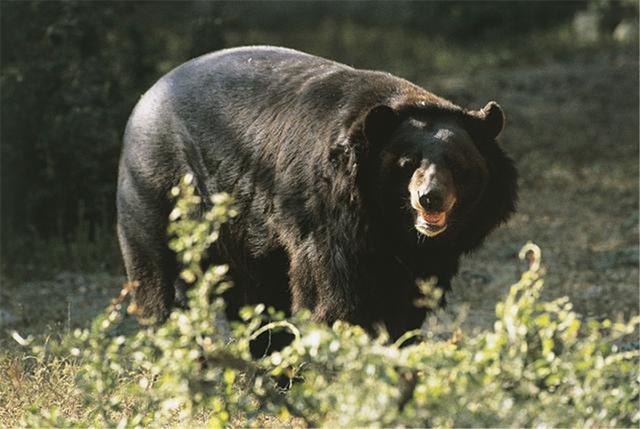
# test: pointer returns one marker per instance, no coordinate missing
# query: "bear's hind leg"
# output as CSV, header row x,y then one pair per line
x,y
142,232
150,263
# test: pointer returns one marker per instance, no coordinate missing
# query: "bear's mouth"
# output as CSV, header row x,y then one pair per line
x,y
431,224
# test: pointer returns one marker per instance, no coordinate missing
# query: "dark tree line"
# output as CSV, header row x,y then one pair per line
x,y
71,73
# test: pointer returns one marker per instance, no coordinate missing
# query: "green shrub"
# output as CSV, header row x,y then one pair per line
x,y
540,365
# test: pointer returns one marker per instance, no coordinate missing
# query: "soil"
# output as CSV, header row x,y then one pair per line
x,y
572,129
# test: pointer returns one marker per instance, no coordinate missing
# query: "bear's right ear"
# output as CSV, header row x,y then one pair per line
x,y
367,134
486,123
379,124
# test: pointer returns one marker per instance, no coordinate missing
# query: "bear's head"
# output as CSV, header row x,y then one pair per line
x,y
438,174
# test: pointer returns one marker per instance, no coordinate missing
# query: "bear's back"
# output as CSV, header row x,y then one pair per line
x,y
244,82
280,105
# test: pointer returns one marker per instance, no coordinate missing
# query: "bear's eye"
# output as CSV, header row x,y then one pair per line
x,y
406,162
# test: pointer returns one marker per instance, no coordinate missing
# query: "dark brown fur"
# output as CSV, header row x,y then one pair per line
x,y
297,140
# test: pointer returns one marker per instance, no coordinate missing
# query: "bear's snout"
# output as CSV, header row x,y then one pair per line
x,y
433,197
432,189
432,200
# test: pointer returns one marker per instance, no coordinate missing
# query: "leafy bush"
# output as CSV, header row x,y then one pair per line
x,y
540,365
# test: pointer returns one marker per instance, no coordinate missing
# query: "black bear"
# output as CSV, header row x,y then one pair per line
x,y
350,184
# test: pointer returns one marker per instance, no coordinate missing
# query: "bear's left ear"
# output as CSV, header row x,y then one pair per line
x,y
379,123
487,122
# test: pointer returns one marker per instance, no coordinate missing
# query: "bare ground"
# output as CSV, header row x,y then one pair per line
x,y
572,129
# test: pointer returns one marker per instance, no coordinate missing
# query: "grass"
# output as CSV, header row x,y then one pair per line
x,y
29,384
31,256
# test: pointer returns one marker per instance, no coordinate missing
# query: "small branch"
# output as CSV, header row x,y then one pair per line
x,y
280,324
407,336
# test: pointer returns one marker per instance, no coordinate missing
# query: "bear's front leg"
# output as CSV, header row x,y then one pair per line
x,y
322,282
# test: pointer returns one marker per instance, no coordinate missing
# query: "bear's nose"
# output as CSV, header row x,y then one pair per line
x,y
432,201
